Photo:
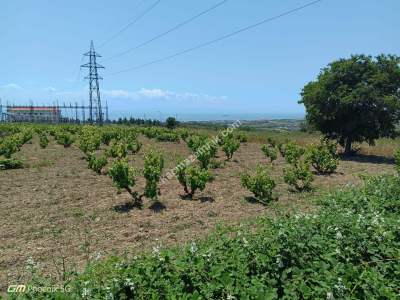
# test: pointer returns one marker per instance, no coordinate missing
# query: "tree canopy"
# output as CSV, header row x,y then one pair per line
x,y
355,99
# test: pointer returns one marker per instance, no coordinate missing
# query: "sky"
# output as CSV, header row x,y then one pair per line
x,y
259,72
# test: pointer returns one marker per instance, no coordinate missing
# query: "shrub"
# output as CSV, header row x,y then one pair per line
x,y
271,142
168,137
260,184
293,153
193,178
241,137
323,157
89,140
134,145
9,146
43,140
10,163
270,152
397,160
204,155
64,138
153,166
230,146
299,176
196,141
184,134
118,149
97,164
122,175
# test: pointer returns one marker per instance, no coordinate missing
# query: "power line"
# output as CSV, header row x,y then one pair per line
x,y
134,21
176,27
217,39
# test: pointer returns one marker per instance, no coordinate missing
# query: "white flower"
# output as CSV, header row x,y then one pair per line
x,y
339,235
193,247
329,296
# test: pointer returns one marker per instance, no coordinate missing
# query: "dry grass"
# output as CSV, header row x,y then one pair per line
x,y
63,215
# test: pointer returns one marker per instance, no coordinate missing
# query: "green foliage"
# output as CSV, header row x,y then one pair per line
x,y
323,157
171,123
299,176
10,163
269,152
230,146
122,175
43,140
241,137
153,166
196,141
184,134
293,153
355,99
397,160
192,178
9,146
64,138
97,164
89,140
134,145
347,249
196,179
271,142
118,149
260,184
168,136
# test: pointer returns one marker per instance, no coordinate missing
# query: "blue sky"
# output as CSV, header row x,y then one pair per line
x,y
260,71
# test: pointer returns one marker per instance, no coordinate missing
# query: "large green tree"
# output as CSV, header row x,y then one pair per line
x,y
355,99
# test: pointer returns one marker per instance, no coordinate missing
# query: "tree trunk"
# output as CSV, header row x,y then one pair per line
x,y
347,148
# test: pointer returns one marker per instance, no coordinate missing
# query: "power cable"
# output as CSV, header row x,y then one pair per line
x,y
176,27
134,21
217,39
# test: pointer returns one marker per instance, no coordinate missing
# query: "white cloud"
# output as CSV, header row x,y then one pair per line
x,y
187,96
155,93
50,89
12,86
117,94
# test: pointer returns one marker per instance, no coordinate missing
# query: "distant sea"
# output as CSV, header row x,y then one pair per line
x,y
203,117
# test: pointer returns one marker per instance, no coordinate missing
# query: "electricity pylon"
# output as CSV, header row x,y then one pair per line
x,y
94,89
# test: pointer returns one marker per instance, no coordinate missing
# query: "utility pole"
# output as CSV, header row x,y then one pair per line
x,y
94,89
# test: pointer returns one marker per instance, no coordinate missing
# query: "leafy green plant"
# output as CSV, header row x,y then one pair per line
x,y
118,149
270,152
193,178
153,166
260,184
194,142
134,145
397,160
97,164
241,137
293,153
9,146
323,157
43,140
10,163
89,140
204,155
123,176
299,176
271,142
230,146
64,138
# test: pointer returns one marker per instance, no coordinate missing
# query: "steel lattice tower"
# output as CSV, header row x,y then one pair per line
x,y
94,89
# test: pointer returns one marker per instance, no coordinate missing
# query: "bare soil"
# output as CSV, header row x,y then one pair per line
x,y
56,215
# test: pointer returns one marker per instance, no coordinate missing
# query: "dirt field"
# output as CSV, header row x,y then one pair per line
x,y
56,215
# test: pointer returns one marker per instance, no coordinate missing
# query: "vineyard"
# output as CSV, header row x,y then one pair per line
x,y
73,195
